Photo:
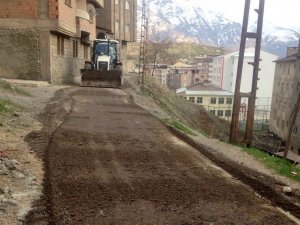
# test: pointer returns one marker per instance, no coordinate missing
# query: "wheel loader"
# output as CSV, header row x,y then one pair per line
x,y
105,67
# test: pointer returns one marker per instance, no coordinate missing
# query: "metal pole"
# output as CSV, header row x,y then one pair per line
x,y
234,130
252,99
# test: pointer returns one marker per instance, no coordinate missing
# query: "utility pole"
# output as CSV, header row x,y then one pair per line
x,y
142,45
256,69
234,131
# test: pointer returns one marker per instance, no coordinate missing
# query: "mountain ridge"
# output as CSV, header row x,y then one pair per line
x,y
183,22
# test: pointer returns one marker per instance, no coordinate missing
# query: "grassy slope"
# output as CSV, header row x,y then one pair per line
x,y
182,114
190,119
8,107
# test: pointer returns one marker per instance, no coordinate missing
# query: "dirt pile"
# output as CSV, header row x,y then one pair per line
x,y
21,172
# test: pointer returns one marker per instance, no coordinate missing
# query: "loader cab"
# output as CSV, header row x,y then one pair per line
x,y
106,55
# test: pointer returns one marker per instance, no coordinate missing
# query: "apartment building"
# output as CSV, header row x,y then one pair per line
x,y
117,20
47,39
214,99
160,73
225,70
183,75
286,88
50,40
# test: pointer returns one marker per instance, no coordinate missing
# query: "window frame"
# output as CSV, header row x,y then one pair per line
x,y
213,101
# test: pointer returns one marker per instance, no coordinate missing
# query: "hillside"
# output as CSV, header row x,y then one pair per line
x,y
175,110
178,50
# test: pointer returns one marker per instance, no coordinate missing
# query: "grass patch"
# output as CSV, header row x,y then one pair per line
x,y
280,165
183,128
8,107
11,88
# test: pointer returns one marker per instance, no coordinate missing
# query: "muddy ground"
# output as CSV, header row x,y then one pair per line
x,y
108,161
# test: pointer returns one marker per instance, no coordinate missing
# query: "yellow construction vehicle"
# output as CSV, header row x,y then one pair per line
x,y
105,68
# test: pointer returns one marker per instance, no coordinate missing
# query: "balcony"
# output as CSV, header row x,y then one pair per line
x,y
96,3
85,25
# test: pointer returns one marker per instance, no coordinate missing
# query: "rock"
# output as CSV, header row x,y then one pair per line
x,y
19,175
10,165
16,114
287,189
7,190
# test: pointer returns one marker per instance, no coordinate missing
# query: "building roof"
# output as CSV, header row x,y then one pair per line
x,y
289,58
203,89
181,65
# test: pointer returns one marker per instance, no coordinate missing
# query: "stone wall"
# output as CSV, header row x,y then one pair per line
x,y
19,54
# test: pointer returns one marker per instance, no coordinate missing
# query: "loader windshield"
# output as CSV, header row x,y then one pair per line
x,y
101,48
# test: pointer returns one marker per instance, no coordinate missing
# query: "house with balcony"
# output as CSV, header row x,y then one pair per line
x,y
214,99
286,88
46,40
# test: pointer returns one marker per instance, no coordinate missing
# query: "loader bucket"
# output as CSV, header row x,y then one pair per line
x,y
96,78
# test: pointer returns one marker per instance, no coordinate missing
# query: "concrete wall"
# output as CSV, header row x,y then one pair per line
x,y
19,8
20,57
286,90
66,68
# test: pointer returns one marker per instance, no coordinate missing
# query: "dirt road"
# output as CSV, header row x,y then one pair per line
x,y
111,162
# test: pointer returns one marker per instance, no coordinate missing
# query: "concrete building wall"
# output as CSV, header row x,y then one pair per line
x,y
20,54
66,67
286,90
295,138
281,104
19,8
67,17
31,41
222,109
225,71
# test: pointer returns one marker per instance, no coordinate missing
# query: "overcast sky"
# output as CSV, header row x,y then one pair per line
x,y
284,13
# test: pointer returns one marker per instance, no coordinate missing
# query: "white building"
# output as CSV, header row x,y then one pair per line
x,y
225,71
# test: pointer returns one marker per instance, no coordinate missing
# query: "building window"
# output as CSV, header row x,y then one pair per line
x,y
212,112
228,113
229,101
127,4
295,131
86,51
192,99
117,25
282,124
220,113
221,100
199,100
75,48
68,2
127,28
60,45
213,101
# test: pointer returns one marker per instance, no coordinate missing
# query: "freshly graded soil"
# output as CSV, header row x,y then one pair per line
x,y
108,161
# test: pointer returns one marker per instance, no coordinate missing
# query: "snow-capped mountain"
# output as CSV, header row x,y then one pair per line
x,y
190,21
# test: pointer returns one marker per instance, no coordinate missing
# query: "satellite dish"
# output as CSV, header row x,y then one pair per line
x,y
91,11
